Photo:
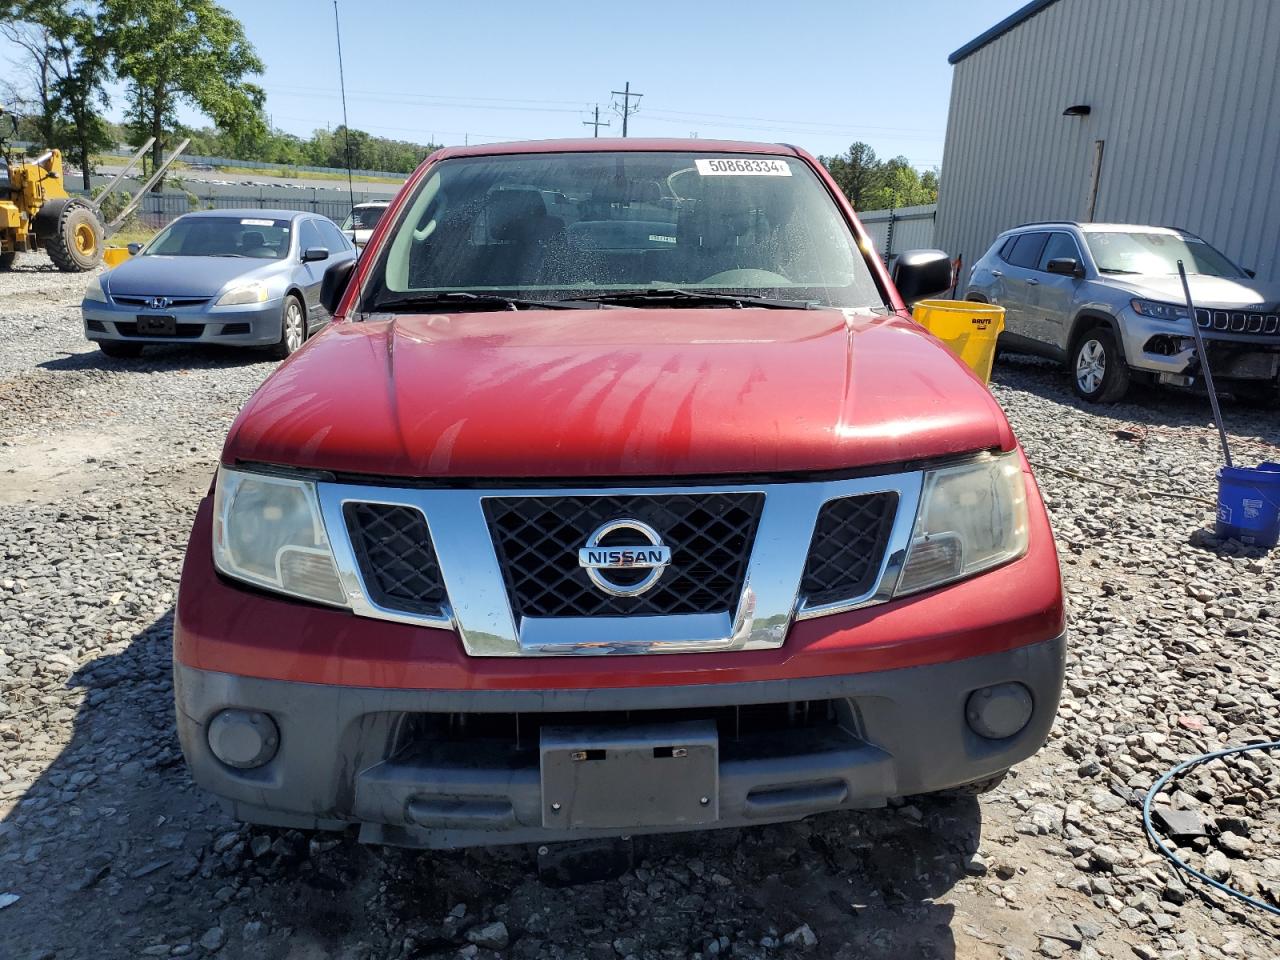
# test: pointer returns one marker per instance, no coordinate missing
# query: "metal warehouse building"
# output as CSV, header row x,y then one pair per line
x,y
1136,111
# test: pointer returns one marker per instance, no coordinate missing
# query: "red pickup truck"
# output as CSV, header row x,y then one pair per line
x,y
623,496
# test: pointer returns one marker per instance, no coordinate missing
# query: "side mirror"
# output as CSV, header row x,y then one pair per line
x,y
334,284
1065,267
921,274
133,248
311,254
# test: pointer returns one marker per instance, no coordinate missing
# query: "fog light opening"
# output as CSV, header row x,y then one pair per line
x,y
243,739
1000,711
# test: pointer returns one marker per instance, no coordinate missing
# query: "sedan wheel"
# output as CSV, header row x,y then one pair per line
x,y
293,328
1101,374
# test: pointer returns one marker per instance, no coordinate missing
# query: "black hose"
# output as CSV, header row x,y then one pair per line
x,y
1181,864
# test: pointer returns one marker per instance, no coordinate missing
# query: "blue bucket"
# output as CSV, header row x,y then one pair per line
x,y
1249,504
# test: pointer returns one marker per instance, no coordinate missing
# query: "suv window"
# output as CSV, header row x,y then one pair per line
x,y
333,237
1026,250
1006,249
1059,245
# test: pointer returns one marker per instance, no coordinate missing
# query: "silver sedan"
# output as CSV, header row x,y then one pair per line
x,y
236,277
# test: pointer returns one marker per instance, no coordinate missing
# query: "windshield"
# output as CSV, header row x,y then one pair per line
x,y
1156,254
572,225
364,218
261,238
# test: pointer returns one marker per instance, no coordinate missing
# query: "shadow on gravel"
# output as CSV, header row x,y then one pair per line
x,y
1146,405
160,358
114,853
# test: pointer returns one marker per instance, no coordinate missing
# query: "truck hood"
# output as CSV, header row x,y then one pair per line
x,y
1205,291
162,276
634,393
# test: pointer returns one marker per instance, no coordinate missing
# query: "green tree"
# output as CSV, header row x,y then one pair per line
x,y
856,172
874,184
69,68
193,52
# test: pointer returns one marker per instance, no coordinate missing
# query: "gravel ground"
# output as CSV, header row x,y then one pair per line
x,y
106,850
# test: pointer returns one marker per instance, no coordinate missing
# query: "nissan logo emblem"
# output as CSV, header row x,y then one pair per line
x,y
595,558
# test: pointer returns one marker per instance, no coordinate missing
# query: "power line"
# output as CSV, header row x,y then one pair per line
x,y
626,111
597,123
346,127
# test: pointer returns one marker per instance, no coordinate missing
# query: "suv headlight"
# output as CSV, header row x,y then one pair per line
x,y
1159,311
93,291
971,518
268,531
245,293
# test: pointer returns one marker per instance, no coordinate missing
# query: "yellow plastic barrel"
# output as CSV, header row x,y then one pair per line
x,y
114,256
969,329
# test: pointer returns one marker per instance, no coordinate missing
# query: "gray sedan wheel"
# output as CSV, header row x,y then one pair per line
x,y
293,327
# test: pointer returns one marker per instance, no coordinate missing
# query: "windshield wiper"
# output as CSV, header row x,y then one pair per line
x,y
1115,270
693,298
455,299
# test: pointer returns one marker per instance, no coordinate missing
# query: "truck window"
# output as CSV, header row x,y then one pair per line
x,y
569,224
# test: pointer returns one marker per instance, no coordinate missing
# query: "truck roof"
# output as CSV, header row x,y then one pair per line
x,y
614,144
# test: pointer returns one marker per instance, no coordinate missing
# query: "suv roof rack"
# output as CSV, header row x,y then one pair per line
x,y
1045,223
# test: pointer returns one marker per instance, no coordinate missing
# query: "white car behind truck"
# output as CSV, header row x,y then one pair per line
x,y
363,218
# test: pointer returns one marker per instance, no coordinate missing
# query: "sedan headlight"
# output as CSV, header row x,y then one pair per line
x,y
971,518
245,293
1159,311
93,291
268,531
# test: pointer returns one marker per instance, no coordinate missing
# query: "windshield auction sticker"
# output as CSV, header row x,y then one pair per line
x,y
739,167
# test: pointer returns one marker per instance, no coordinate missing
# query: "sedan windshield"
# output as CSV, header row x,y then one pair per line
x,y
259,238
581,226
1156,253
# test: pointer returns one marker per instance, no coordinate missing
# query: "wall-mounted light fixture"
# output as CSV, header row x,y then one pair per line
x,y
1078,110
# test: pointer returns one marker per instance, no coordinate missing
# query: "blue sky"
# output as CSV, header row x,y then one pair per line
x,y
816,73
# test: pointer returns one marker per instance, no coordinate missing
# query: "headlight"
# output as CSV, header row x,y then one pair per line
x,y
1159,311
971,518
245,293
94,291
268,531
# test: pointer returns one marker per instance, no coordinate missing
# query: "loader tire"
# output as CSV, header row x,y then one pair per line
x,y
6,259
76,244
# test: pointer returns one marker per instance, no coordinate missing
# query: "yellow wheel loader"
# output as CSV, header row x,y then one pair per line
x,y
37,213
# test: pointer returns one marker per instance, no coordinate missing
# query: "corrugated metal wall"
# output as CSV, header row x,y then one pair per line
x,y
1185,93
902,228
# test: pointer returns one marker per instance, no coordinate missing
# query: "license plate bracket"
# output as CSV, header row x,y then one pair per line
x,y
660,775
151,325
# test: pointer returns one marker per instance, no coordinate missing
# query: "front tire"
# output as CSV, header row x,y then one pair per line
x,y
1099,373
120,351
293,328
76,244
6,259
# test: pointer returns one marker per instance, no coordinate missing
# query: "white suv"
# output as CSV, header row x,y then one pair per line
x,y
1105,299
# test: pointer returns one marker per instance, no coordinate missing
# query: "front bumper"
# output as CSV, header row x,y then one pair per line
x,y
401,764
1161,347
254,324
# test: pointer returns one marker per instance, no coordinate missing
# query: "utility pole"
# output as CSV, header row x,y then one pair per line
x,y
626,95
597,122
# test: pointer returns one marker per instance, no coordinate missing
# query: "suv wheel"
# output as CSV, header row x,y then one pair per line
x,y
1098,371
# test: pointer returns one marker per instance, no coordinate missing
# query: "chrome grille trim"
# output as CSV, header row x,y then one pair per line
x,y
479,609
1222,321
